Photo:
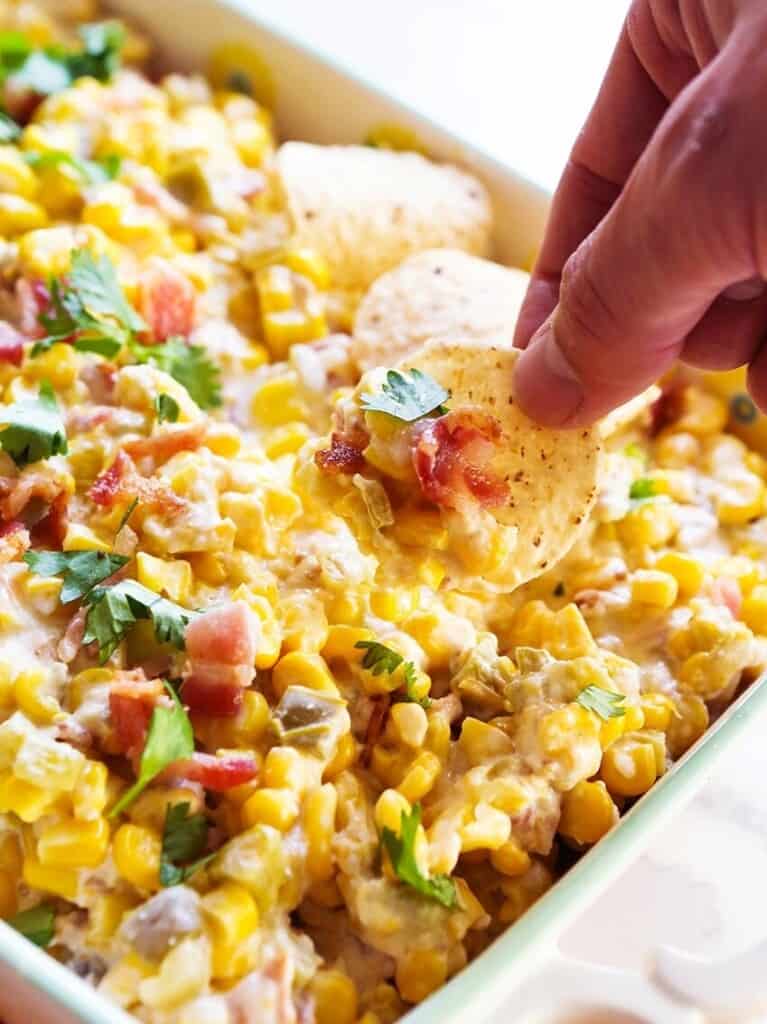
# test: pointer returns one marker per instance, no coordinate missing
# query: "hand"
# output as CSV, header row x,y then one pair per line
x,y
656,247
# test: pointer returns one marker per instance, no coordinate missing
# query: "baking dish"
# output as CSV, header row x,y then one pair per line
x,y
186,30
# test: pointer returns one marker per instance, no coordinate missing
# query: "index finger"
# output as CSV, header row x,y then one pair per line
x,y
624,116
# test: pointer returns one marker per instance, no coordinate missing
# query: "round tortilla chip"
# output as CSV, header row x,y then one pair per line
x,y
437,294
365,210
553,475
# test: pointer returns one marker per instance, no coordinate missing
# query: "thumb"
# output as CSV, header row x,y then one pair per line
x,y
678,235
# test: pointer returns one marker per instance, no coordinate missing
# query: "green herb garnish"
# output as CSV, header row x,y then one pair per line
x,y
184,837
34,428
125,517
166,408
190,365
91,172
604,703
642,488
379,658
113,610
81,571
36,924
407,395
9,130
168,739
401,851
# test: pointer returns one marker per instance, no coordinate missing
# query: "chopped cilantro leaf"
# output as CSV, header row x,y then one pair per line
x,y
184,838
401,851
642,488
81,571
407,395
100,56
9,130
34,428
190,365
166,408
113,610
126,516
53,68
379,658
36,924
91,172
168,739
604,703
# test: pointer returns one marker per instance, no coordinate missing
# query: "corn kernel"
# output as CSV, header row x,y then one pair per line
x,y
510,859
32,698
275,288
688,572
650,523
653,587
419,973
658,710
286,440
184,973
276,402
231,916
410,723
275,807
74,844
588,812
754,610
105,915
319,827
421,776
284,769
310,264
394,603
285,328
344,756
60,881
419,527
136,852
301,668
19,215
172,578
629,766
82,538
335,997
739,500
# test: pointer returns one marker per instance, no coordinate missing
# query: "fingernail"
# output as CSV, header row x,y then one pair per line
x,y
544,383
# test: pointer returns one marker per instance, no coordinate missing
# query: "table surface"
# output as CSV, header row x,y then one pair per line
x,y
520,84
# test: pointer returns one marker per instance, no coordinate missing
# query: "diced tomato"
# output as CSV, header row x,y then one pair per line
x,y
216,773
11,344
167,301
222,645
131,703
726,590
213,699
451,457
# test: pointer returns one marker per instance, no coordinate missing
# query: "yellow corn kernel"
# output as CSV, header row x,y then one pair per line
x,y
419,973
275,288
10,854
629,766
654,588
388,765
754,610
32,698
345,606
335,997
688,572
421,776
342,641
438,736
252,140
481,741
25,799
389,809
531,623
410,723
677,450
277,402
60,365
105,915
284,769
8,890
650,523
207,567
421,527
223,439
310,264
658,710
82,538
510,859
184,973
489,829
588,812
19,215
286,440
172,578
151,807
302,668
136,852
344,756
231,917
702,413
60,881
288,327
121,981
688,724
427,628
319,828
184,240
275,807
74,844
394,603
16,175
567,635
740,500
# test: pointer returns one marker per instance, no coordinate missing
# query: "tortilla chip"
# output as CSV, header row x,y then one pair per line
x,y
365,210
553,475
438,294
625,414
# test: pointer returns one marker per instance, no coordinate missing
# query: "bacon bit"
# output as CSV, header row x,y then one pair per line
x,y
79,421
212,699
14,541
51,530
214,773
166,300
132,700
667,407
341,457
11,344
33,299
222,645
122,481
726,591
19,101
72,641
17,492
162,446
450,459
375,726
